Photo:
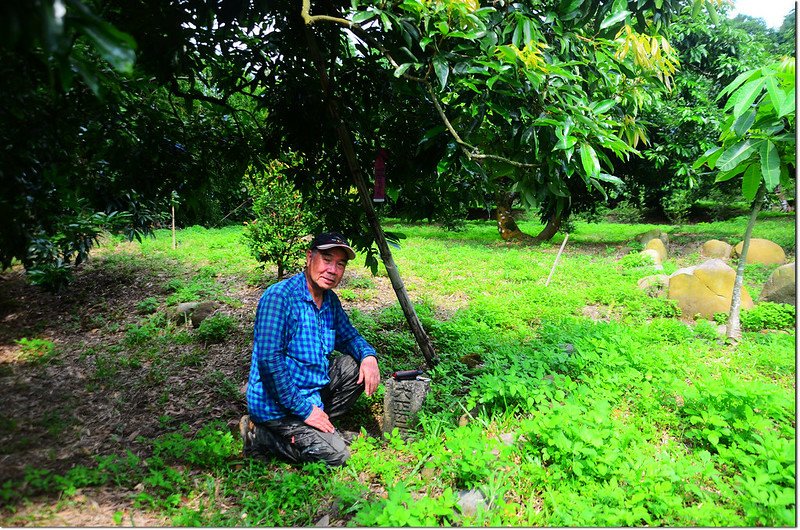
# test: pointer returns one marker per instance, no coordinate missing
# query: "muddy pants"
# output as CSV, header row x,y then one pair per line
x,y
292,440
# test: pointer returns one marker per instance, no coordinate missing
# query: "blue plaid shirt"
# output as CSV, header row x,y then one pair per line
x,y
293,340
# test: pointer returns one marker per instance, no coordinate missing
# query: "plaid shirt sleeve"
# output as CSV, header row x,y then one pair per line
x,y
271,336
348,339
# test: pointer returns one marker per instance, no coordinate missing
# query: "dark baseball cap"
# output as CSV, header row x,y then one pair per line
x,y
330,240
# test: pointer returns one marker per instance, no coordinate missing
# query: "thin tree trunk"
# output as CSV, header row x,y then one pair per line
x,y
174,241
346,142
734,331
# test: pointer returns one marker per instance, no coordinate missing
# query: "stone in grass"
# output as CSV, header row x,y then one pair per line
x,y
659,246
194,312
655,285
653,234
781,287
469,501
761,251
714,248
654,256
705,289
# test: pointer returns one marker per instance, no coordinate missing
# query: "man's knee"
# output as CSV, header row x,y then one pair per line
x,y
329,448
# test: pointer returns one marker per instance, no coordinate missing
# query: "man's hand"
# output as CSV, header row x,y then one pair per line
x,y
369,374
319,420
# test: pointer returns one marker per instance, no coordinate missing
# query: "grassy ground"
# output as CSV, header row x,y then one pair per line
x,y
584,402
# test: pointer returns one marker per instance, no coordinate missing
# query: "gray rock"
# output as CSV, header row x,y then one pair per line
x,y
781,287
470,500
655,286
194,312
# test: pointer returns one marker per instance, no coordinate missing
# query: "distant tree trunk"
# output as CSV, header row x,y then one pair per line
x,y
785,206
550,229
505,219
346,142
734,331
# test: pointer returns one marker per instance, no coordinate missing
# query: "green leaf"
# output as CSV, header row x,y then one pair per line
x,y
400,70
744,122
735,154
727,175
744,97
770,165
614,19
442,70
591,166
789,104
605,177
602,106
776,95
741,78
751,181
708,157
712,12
363,16
713,437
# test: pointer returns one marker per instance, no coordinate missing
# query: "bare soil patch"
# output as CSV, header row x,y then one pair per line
x,y
85,402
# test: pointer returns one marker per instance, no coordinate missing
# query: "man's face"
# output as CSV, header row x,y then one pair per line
x,y
325,267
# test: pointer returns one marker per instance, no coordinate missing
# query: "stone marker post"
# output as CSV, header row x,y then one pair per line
x,y
401,403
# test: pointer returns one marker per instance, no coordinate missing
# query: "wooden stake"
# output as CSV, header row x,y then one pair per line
x,y
552,270
174,243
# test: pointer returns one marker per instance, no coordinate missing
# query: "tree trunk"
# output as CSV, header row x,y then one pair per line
x,y
505,219
734,331
785,206
550,229
346,142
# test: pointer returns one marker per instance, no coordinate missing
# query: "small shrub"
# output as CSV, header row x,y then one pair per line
x,y
215,328
768,315
281,219
36,350
147,306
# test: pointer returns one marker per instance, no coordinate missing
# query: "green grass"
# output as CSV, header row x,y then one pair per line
x,y
590,403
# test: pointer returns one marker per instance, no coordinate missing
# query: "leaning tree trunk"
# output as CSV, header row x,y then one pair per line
x,y
734,331
550,229
346,142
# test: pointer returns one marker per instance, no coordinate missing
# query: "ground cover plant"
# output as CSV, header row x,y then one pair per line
x,y
584,402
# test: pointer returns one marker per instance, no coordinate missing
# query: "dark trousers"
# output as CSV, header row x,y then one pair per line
x,y
292,440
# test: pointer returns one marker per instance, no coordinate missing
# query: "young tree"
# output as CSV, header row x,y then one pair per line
x,y
758,143
281,223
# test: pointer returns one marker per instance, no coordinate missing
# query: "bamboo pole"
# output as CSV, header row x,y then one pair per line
x,y
346,143
558,256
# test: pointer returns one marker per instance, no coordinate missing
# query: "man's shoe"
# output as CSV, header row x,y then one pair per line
x,y
247,430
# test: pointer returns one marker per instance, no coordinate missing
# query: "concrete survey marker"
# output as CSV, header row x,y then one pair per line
x,y
401,403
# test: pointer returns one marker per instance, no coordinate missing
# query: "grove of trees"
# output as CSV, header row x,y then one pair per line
x,y
553,105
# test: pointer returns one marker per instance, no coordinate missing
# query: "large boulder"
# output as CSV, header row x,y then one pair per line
x,y
761,251
705,289
659,246
781,287
653,234
714,248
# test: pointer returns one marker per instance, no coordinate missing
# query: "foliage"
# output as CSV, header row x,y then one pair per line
x,y
681,124
632,420
757,137
282,221
216,328
769,315
36,350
